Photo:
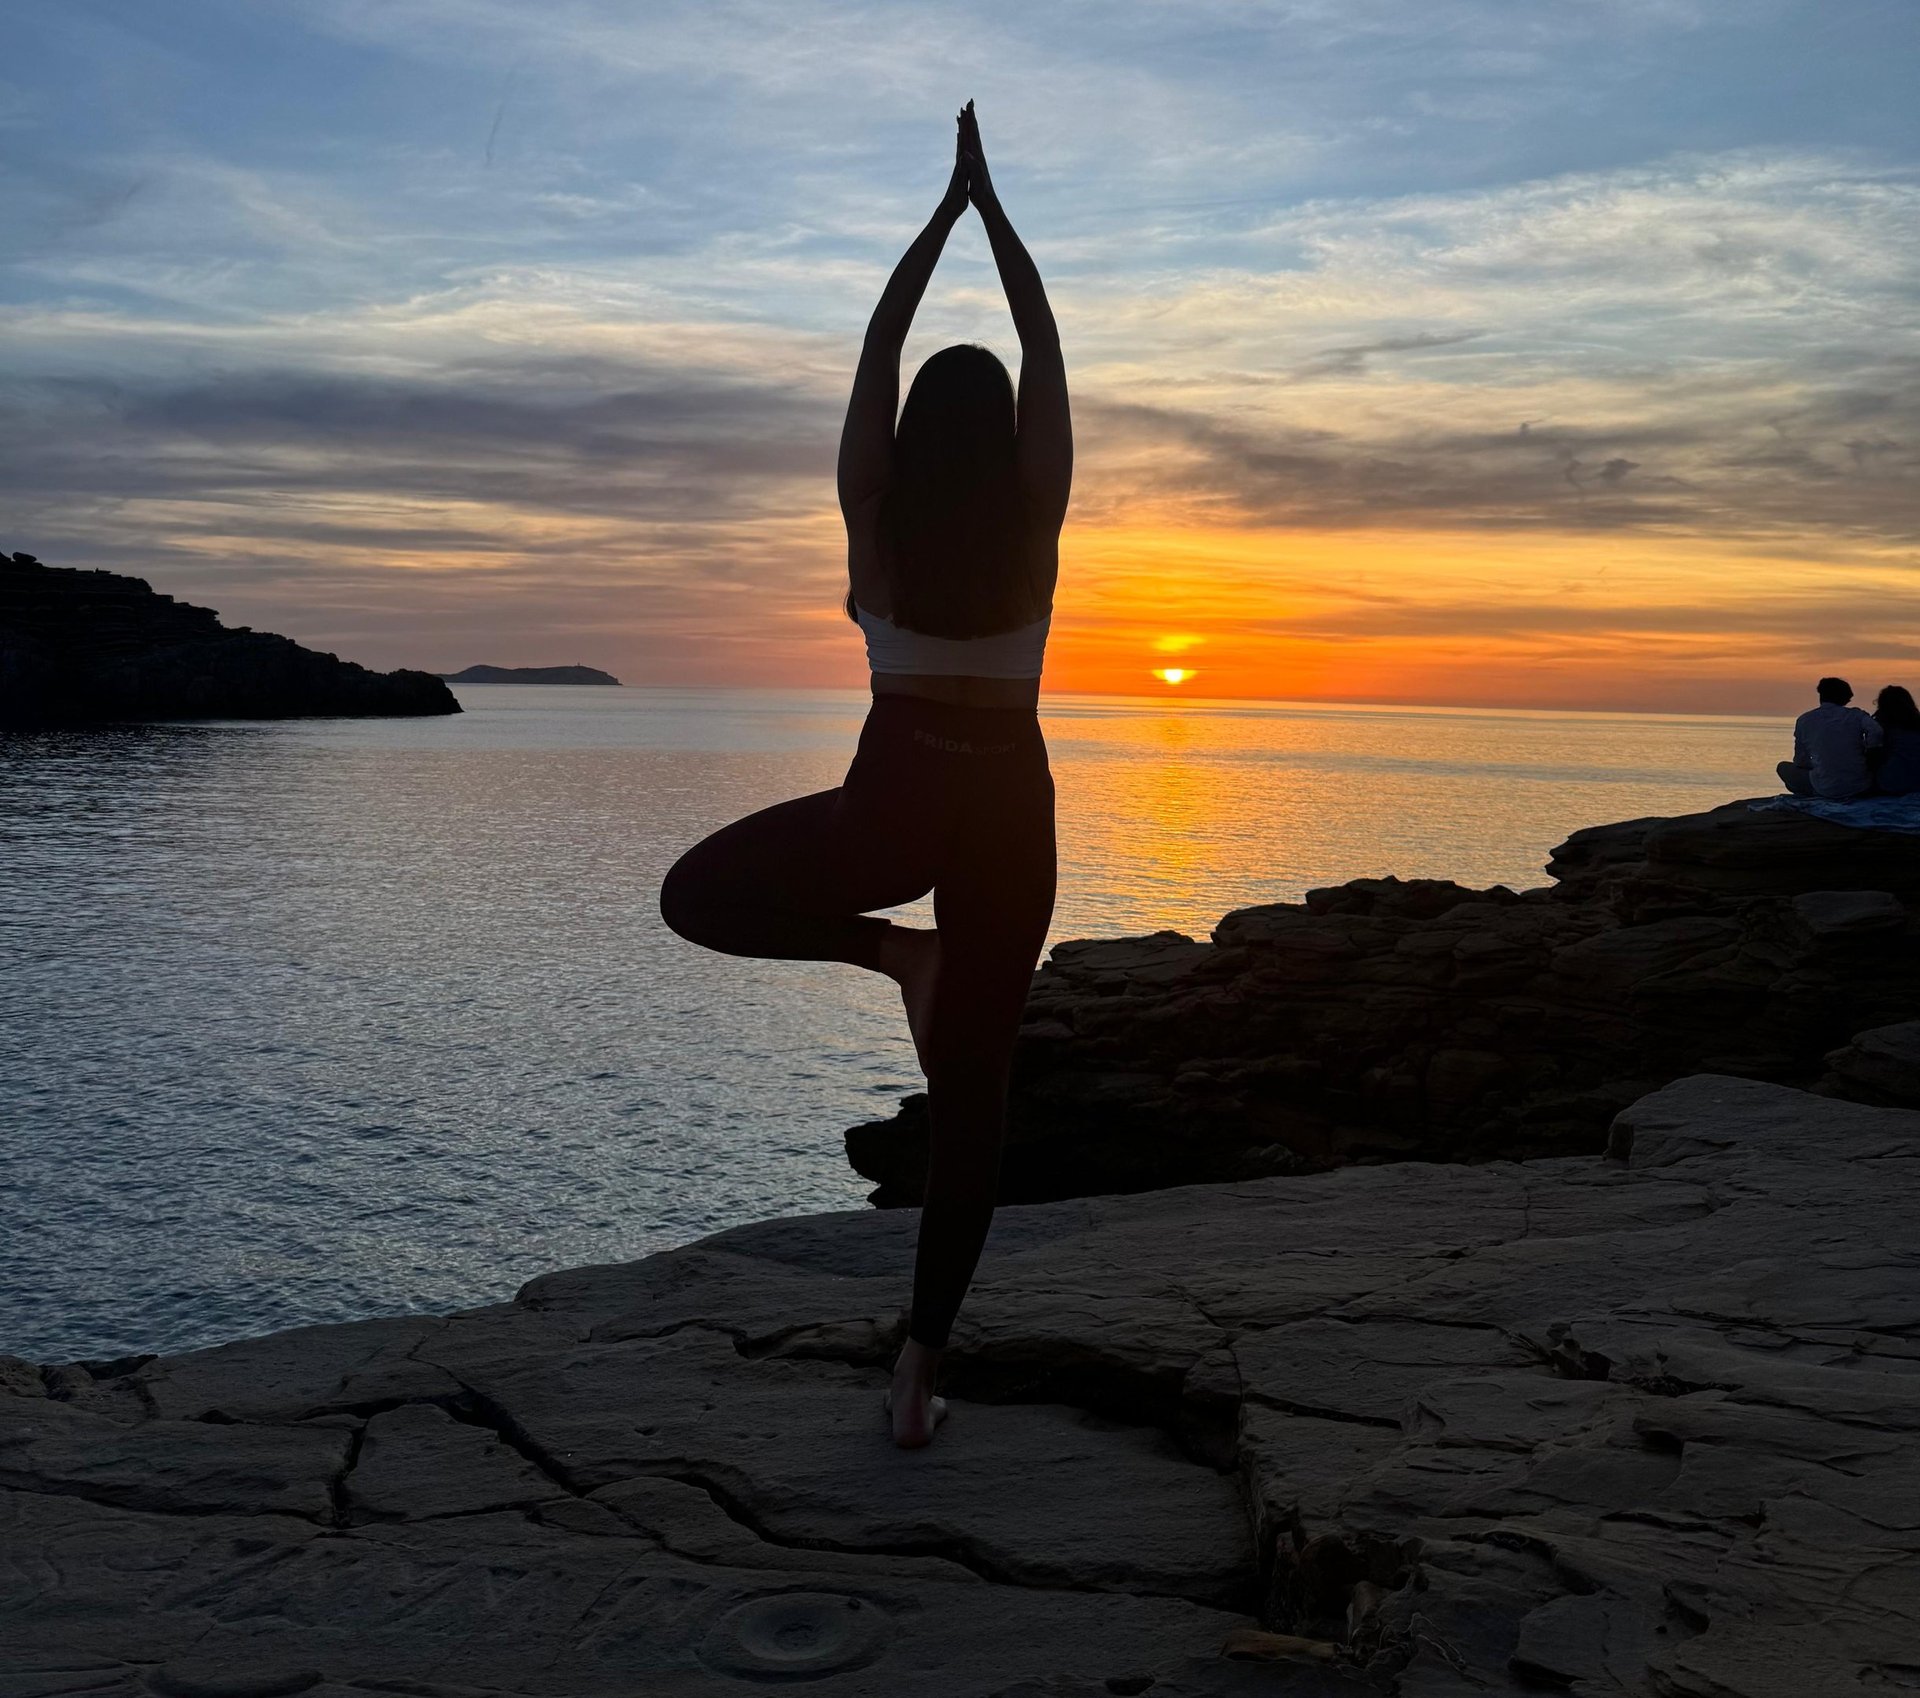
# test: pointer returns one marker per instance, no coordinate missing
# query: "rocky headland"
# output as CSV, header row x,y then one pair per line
x,y
530,675
79,647
1387,1019
1644,1423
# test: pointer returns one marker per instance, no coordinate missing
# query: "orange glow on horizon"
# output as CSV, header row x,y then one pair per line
x,y
1653,623
1607,621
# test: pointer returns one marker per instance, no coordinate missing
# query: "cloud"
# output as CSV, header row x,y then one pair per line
x,y
1351,361
569,439
562,302
1700,464
652,463
1848,615
567,390
1584,353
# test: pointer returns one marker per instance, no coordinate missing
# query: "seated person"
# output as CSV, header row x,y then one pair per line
x,y
1898,771
1830,744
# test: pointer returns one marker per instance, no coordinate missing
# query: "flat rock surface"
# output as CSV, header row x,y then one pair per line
x,y
1647,1424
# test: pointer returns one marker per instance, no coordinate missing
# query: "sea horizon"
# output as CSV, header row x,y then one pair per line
x,y
1166,698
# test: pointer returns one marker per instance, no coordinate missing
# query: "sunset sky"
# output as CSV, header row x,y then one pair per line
x,y
1552,352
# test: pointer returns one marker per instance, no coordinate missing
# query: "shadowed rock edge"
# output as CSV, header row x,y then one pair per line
x,y
1389,1019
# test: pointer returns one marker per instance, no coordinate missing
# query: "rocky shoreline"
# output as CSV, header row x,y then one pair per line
x,y
91,647
1644,1423
1389,1020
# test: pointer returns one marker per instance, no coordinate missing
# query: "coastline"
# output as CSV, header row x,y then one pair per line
x,y
98,648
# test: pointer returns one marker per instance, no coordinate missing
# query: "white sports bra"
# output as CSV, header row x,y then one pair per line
x,y
1006,654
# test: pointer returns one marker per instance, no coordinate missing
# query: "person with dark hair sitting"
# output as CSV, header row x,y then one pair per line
x,y
1830,744
1898,771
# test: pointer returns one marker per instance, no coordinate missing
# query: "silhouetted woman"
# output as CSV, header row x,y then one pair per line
x,y
1898,771
953,523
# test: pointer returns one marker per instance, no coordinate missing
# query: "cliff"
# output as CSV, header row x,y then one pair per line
x,y
1388,1019
530,675
94,646
1645,1425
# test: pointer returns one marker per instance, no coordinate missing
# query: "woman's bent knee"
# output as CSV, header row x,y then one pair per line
x,y
683,903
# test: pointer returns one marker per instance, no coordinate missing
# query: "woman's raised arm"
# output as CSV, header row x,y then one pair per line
x,y
1045,446
866,439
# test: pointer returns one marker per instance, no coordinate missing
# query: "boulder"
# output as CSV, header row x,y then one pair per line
x,y
1878,1066
1389,1019
1731,851
1645,1424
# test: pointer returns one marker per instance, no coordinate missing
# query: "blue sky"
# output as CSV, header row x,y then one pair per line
x,y
435,331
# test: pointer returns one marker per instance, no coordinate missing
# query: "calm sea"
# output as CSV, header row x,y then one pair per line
x,y
334,1018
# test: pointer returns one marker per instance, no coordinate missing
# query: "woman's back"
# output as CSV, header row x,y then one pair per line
x,y
1899,773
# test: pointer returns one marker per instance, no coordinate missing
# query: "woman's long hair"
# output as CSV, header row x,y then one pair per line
x,y
1895,710
953,535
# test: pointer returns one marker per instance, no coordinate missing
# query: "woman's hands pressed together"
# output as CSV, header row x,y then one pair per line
x,y
954,201
979,183
1045,433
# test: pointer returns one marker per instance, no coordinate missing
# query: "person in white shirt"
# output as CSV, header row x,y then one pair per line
x,y
1830,744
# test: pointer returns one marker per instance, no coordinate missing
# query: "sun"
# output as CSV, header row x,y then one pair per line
x,y
1172,644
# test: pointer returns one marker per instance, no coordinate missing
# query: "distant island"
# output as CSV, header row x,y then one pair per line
x,y
530,675
87,647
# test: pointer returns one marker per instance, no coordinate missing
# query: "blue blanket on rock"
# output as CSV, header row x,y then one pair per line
x,y
1874,813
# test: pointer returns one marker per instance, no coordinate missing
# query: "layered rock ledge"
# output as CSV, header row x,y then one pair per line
x,y
79,647
1387,1019
1645,1424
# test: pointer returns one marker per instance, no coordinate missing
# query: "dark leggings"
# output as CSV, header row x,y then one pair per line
x,y
954,800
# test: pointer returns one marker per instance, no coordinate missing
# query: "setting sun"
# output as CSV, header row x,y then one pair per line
x,y
1174,674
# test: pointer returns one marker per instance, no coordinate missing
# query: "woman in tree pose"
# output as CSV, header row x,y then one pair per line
x,y
953,524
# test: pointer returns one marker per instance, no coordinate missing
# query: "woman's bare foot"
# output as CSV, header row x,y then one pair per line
x,y
911,958
910,1400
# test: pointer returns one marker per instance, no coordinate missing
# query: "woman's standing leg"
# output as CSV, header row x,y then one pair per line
x,y
992,905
